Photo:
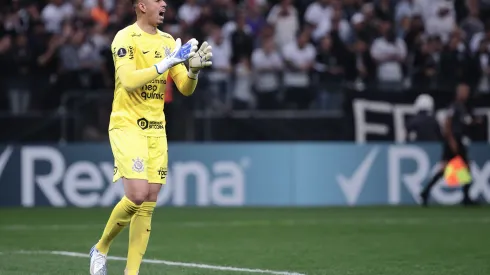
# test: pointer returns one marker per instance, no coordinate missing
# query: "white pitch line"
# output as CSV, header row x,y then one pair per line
x,y
169,263
248,223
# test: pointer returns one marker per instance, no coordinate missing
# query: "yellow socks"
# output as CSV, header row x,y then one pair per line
x,y
139,231
139,234
120,217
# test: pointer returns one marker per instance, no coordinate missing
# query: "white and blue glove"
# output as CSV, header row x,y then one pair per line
x,y
179,55
201,59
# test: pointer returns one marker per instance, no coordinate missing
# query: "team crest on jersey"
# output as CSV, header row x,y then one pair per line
x,y
138,165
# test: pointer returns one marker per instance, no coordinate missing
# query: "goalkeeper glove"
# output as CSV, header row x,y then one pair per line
x,y
179,55
201,59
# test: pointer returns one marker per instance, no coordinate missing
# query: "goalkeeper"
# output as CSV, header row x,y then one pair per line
x,y
143,59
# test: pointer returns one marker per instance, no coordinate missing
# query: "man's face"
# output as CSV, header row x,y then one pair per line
x,y
463,92
153,10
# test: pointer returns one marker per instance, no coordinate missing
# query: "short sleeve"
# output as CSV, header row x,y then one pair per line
x,y
123,49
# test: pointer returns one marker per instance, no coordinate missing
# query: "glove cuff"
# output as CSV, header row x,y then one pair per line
x,y
162,66
192,75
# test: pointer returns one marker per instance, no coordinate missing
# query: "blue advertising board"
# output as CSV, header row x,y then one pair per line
x,y
225,174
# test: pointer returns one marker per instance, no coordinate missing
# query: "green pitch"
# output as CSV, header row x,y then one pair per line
x,y
319,241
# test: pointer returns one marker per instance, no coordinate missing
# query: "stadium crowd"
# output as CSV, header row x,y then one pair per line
x,y
266,54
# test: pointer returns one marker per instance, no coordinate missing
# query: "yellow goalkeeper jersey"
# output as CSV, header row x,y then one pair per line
x,y
141,110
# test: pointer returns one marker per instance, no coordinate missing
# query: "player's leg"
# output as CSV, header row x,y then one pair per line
x,y
136,191
466,188
447,154
437,176
130,154
140,227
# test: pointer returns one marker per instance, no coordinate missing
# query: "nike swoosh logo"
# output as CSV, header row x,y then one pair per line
x,y
145,52
352,186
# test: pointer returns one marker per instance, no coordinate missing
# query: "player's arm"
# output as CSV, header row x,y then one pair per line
x,y
123,49
132,78
186,81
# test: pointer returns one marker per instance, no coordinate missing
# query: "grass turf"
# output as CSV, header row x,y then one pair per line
x,y
316,241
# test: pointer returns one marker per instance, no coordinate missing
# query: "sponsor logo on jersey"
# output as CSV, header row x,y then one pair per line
x,y
158,54
131,52
144,124
150,95
138,165
135,34
162,173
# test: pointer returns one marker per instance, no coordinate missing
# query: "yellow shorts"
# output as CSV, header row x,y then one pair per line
x,y
139,157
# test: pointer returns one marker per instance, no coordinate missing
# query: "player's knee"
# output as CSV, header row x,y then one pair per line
x,y
138,197
152,196
153,192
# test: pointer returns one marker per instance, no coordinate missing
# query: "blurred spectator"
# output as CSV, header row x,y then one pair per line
x,y
441,21
221,68
454,62
351,7
20,16
55,13
330,69
423,127
108,5
267,65
99,13
404,8
389,53
265,53
172,25
242,88
189,13
415,32
360,67
360,30
299,57
241,39
477,38
482,59
317,12
427,64
334,23
472,25
284,18
370,21
384,10
403,27
254,19
19,88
